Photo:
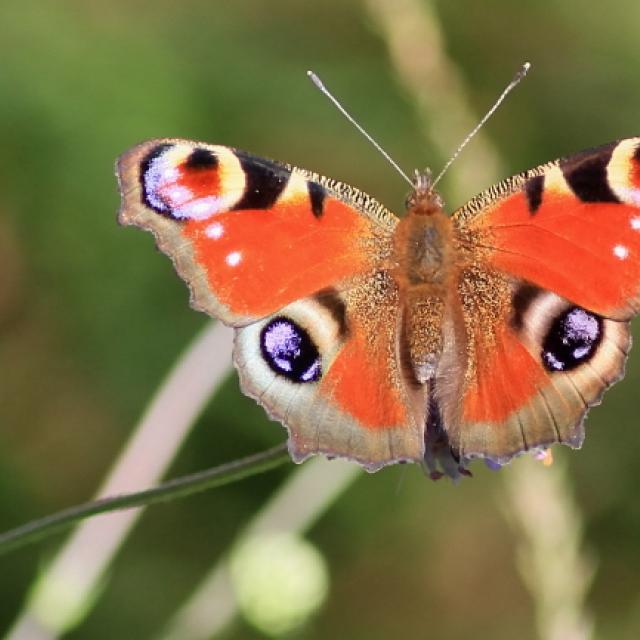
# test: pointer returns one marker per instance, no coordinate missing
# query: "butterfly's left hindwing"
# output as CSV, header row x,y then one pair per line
x,y
331,375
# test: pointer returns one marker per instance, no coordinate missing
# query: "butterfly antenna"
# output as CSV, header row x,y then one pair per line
x,y
522,72
320,85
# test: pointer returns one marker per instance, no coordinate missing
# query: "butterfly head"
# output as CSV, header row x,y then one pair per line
x,y
424,199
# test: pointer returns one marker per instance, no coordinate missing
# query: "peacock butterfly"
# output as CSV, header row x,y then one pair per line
x,y
429,338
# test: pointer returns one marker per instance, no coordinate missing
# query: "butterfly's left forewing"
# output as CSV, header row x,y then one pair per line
x,y
249,235
327,367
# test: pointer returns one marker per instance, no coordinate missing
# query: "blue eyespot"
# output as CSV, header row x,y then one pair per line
x,y
289,351
572,339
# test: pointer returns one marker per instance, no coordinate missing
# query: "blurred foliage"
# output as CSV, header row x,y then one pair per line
x,y
91,316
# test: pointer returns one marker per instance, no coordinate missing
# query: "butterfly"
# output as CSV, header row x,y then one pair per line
x,y
427,338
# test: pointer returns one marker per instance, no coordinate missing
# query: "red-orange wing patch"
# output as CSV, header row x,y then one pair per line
x,y
365,379
250,235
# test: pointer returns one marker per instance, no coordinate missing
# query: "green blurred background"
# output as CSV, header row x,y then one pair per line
x,y
92,317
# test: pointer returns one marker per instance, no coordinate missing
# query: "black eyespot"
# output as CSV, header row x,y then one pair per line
x,y
573,339
288,349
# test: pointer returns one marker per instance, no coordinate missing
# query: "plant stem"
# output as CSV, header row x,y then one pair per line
x,y
178,488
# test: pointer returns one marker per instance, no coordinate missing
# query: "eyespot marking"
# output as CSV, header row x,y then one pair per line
x,y
289,351
572,339
181,182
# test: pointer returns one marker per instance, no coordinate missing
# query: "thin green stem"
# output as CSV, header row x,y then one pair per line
x,y
178,488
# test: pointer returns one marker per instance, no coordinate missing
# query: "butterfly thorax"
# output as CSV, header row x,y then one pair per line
x,y
423,247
